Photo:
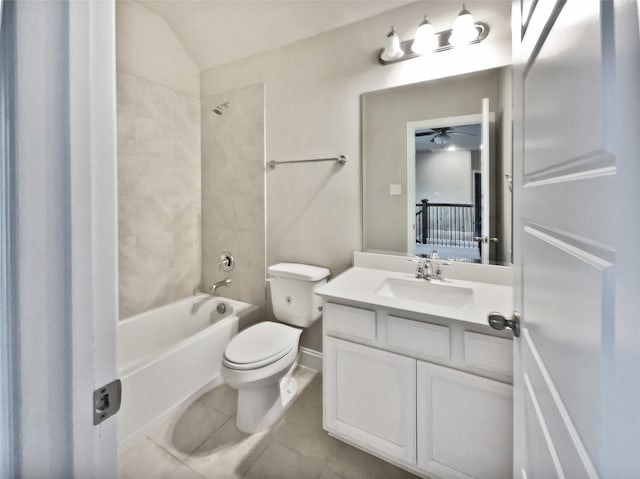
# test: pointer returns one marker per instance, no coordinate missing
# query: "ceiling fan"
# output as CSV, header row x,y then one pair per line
x,y
442,135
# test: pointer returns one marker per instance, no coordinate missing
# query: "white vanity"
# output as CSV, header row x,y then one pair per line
x,y
412,372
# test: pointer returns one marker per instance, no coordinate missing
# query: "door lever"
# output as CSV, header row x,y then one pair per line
x,y
499,321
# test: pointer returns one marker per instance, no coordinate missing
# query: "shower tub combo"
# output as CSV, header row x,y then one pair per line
x,y
170,355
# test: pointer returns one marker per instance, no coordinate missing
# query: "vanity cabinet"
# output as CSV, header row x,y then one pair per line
x,y
431,397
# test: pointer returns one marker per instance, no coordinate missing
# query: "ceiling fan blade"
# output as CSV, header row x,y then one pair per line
x,y
461,133
426,133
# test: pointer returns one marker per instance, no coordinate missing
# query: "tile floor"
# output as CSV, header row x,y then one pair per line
x,y
203,442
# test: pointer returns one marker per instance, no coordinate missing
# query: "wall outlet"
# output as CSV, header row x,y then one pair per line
x,y
395,190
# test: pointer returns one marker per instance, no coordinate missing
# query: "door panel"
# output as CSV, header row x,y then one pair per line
x,y
569,328
370,397
543,462
568,196
565,177
547,414
464,424
564,82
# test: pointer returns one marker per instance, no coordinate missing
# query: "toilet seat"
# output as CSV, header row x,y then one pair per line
x,y
260,345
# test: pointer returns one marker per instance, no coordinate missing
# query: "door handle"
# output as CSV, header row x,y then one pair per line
x,y
499,321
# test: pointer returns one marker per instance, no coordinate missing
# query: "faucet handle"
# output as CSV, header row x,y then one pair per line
x,y
439,265
421,265
226,261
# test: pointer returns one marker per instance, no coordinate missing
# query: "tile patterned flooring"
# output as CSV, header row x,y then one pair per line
x,y
203,442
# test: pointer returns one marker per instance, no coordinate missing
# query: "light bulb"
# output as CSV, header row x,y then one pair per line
x,y
464,29
441,139
425,40
392,48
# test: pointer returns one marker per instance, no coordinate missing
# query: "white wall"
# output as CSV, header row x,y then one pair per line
x,y
312,90
148,48
444,177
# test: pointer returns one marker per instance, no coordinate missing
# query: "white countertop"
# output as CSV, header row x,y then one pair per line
x,y
360,285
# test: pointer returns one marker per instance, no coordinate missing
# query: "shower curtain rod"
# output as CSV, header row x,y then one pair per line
x,y
340,159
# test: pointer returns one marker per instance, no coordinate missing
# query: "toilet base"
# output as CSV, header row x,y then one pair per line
x,y
259,408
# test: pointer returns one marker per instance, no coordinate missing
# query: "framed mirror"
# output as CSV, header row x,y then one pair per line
x,y
436,168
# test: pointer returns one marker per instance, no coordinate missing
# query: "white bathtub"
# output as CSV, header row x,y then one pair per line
x,y
168,355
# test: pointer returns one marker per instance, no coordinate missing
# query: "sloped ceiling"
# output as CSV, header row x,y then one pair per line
x,y
218,32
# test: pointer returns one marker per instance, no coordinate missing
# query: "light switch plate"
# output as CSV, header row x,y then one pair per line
x,y
395,190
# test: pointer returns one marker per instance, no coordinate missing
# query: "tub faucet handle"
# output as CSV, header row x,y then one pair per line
x,y
226,261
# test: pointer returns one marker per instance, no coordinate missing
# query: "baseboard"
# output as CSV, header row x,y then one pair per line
x,y
311,359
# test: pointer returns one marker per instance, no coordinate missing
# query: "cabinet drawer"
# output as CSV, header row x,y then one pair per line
x,y
360,323
418,337
488,352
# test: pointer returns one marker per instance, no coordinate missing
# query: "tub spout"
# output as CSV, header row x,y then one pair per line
x,y
224,282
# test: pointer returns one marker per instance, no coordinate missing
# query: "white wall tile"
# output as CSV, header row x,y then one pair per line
x,y
159,184
233,214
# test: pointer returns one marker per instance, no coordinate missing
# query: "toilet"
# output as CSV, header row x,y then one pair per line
x,y
260,360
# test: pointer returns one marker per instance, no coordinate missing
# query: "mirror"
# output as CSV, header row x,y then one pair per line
x,y
437,168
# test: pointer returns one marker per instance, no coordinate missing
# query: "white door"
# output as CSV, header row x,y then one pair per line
x,y
577,260
370,398
485,181
464,424
60,150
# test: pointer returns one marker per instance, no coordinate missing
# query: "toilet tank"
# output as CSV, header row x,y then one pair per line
x,y
293,296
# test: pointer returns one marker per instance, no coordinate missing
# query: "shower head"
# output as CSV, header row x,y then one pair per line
x,y
219,109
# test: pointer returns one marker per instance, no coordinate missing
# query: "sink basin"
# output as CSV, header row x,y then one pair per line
x,y
433,292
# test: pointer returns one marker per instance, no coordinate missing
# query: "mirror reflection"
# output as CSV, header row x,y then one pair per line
x,y
436,168
448,197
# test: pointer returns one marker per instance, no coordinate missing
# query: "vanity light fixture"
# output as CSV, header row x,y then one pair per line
x,y
464,32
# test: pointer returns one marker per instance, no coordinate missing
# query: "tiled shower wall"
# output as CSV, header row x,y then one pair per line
x,y
159,191
233,192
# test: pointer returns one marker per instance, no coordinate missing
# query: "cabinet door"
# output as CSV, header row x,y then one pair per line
x,y
464,424
370,398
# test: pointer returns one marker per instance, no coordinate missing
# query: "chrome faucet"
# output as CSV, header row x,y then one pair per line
x,y
219,284
424,269
430,268
214,287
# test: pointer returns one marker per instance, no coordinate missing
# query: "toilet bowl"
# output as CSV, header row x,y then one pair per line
x,y
260,360
262,376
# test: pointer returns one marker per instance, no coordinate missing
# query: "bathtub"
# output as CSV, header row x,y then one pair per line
x,y
168,356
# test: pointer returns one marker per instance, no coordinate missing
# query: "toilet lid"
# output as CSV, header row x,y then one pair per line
x,y
261,344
